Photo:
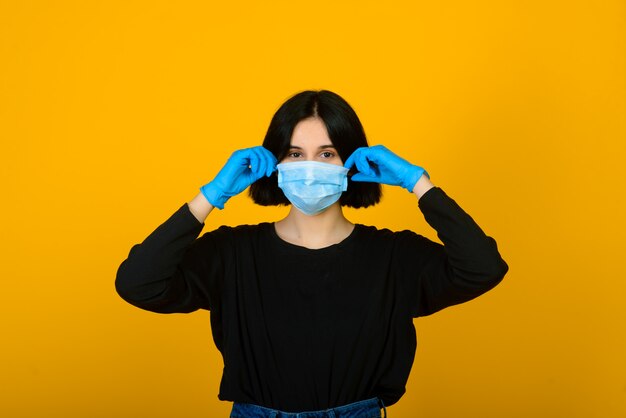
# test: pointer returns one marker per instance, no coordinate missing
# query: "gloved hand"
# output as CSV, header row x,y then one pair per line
x,y
243,168
379,165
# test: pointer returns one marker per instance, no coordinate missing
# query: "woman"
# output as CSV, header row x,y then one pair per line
x,y
312,313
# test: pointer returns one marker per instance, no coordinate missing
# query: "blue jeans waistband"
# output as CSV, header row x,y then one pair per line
x,y
369,408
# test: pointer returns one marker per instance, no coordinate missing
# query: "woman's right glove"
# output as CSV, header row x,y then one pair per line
x,y
243,168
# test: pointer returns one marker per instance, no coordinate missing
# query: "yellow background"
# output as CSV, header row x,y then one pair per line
x,y
114,113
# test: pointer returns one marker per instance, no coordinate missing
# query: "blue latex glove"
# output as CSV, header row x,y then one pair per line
x,y
243,168
379,165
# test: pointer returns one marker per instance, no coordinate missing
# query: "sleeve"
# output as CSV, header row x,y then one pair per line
x,y
171,271
467,265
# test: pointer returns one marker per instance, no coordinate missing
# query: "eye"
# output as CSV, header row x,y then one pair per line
x,y
328,154
295,154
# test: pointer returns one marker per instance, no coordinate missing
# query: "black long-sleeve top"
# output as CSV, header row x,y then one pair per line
x,y
308,329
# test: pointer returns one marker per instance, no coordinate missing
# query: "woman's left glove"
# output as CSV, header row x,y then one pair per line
x,y
379,165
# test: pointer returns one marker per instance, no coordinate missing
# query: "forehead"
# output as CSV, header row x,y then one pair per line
x,y
310,132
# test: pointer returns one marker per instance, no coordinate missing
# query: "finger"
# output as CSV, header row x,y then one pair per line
x,y
363,177
252,164
350,161
376,154
363,163
384,156
260,164
242,157
356,159
270,160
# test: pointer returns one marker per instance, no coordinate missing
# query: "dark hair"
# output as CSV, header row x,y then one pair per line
x,y
345,132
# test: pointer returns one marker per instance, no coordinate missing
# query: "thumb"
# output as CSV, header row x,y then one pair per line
x,y
364,177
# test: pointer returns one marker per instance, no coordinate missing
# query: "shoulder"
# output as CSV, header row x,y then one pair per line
x,y
382,235
237,231
404,249
226,235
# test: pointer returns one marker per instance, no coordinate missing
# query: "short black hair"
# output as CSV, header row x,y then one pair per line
x,y
345,132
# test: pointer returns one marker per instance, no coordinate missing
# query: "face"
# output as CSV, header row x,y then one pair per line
x,y
310,142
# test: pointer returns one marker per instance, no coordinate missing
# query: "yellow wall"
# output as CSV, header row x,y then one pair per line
x,y
114,113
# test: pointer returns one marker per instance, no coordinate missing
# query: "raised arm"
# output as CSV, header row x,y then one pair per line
x,y
155,278
465,266
168,272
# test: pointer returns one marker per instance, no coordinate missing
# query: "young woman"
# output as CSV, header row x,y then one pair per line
x,y
313,314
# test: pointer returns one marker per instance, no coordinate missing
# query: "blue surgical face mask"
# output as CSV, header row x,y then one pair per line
x,y
312,186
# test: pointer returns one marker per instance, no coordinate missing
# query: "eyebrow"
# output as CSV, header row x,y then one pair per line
x,y
320,147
